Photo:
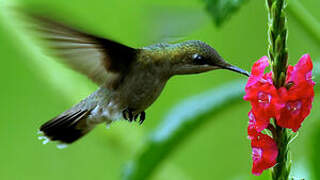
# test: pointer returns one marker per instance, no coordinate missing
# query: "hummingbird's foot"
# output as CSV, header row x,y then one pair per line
x,y
128,115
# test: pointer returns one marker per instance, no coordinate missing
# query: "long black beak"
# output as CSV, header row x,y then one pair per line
x,y
236,69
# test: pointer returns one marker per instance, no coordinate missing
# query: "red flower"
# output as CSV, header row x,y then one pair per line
x,y
288,105
262,94
298,98
264,153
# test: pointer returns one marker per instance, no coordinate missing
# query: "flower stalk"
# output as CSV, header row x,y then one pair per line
x,y
283,95
281,170
278,55
277,34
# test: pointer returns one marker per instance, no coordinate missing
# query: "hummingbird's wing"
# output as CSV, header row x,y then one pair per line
x,y
166,24
91,55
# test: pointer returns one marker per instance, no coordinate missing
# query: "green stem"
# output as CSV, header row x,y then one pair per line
x,y
278,53
302,15
281,170
277,32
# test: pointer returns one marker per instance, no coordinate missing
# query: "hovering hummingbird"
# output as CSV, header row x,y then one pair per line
x,y
130,79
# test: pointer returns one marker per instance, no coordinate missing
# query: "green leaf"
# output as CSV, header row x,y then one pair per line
x,y
179,124
220,10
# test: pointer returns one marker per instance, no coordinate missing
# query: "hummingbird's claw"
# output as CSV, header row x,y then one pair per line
x,y
142,117
127,115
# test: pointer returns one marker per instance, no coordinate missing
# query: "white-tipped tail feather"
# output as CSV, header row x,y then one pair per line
x,y
66,128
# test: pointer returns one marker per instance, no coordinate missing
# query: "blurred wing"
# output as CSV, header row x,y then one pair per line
x,y
88,54
167,24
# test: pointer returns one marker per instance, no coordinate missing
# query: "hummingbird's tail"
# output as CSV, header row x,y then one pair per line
x,y
68,127
78,120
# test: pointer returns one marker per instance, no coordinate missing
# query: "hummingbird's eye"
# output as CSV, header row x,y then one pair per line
x,y
198,59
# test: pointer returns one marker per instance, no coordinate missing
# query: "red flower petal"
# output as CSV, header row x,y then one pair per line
x,y
257,70
264,153
262,118
302,71
252,132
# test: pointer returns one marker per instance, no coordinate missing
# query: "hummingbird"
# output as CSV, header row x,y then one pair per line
x,y
130,79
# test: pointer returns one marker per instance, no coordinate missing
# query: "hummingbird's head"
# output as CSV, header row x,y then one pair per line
x,y
195,56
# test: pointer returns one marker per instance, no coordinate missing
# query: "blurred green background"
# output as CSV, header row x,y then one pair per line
x,y
34,88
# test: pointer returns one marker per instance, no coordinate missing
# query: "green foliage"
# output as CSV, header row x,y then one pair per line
x,y
310,23
220,10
